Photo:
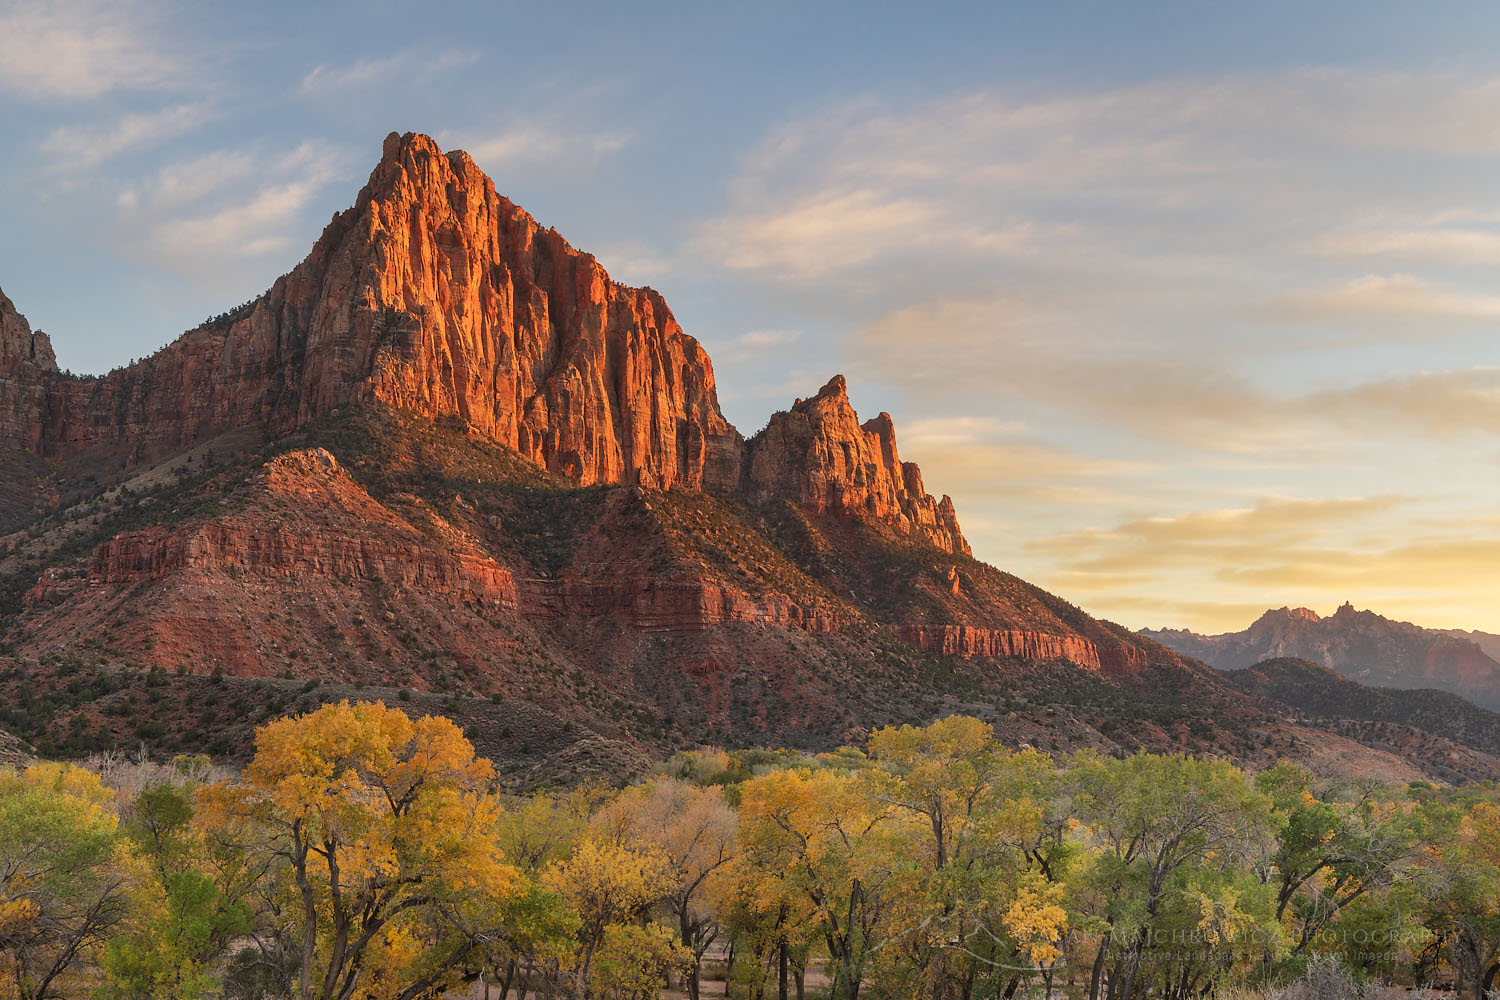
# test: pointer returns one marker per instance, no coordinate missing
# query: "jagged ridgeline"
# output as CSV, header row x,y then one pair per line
x,y
447,453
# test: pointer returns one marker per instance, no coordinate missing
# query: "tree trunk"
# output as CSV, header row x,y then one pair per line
x,y
689,941
309,922
1134,966
1486,982
1098,974
581,988
781,963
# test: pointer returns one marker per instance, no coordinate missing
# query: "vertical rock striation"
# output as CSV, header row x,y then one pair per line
x,y
436,294
819,454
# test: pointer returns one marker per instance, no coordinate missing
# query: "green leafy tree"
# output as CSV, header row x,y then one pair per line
x,y
66,873
1155,822
182,918
817,838
1330,853
976,909
1464,897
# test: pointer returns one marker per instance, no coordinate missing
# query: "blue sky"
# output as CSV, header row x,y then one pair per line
x,y
1192,308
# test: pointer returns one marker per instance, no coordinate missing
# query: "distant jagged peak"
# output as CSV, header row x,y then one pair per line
x,y
1359,644
1286,613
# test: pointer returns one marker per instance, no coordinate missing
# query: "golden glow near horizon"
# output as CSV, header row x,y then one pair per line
x,y
1178,367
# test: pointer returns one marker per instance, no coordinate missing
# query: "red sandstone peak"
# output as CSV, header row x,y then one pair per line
x,y
437,295
434,294
820,455
26,362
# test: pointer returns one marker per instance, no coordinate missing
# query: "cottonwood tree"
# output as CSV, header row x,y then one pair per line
x,y
185,910
1329,852
975,907
819,837
530,939
381,822
1464,897
694,829
65,876
608,885
1153,821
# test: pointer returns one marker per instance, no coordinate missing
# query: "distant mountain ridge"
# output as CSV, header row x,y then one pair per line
x,y
1360,645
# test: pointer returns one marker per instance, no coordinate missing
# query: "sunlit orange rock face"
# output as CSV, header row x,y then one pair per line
x,y
437,295
968,641
819,454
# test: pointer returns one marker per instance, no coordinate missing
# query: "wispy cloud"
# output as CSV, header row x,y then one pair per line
x,y
1434,566
1021,354
1210,537
755,345
1077,191
1381,298
1443,244
78,49
831,230
1441,404
399,68
1196,568
82,147
180,184
204,217
934,432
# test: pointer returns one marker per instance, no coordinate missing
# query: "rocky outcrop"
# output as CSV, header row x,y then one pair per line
x,y
158,553
668,606
1122,661
966,641
820,455
19,345
27,365
13,752
436,294
310,522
